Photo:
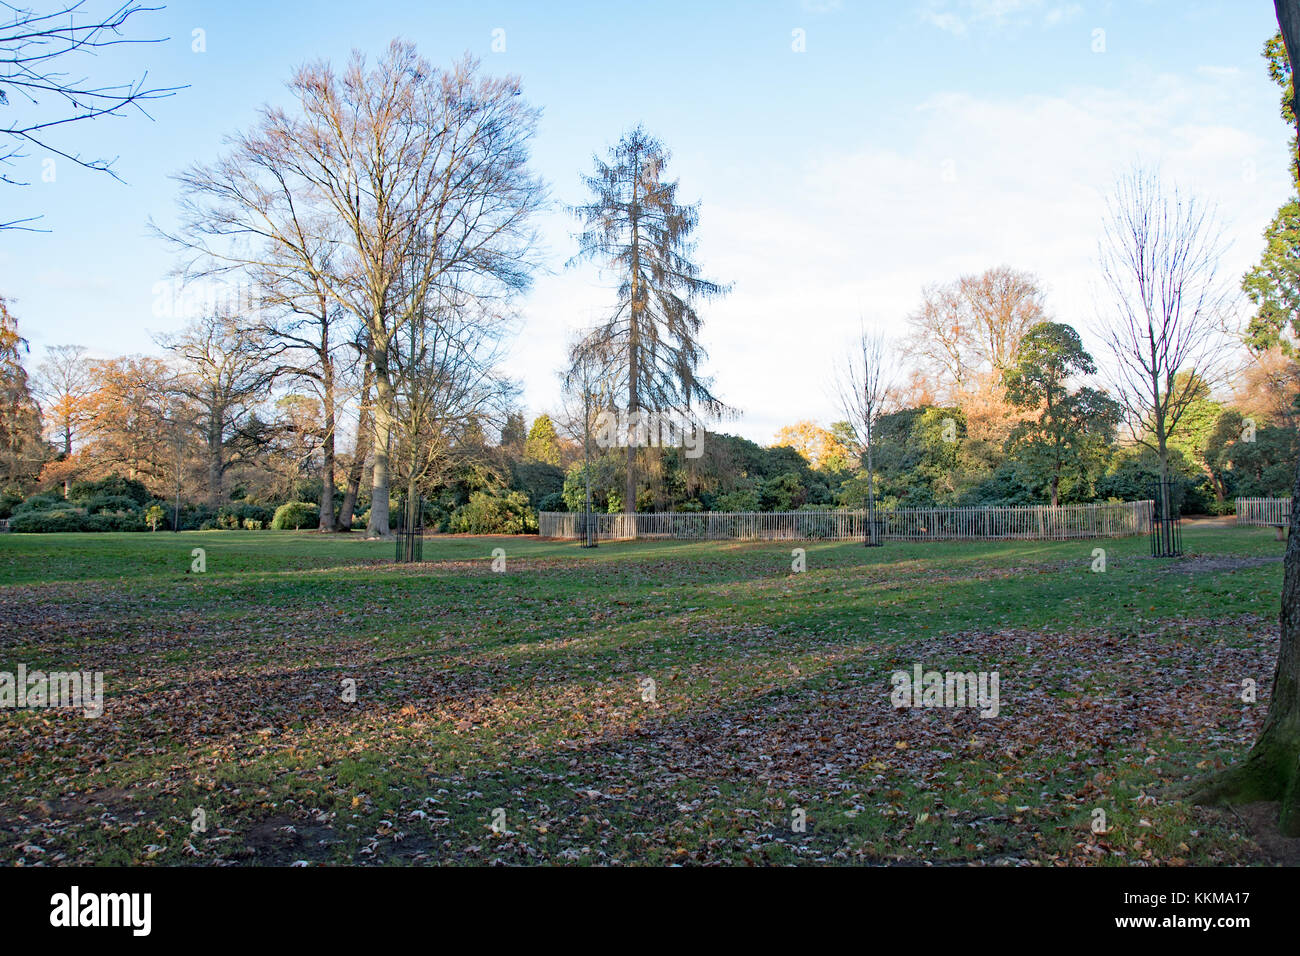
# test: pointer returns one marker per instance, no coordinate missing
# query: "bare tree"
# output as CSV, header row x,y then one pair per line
x,y
425,172
243,217
590,383
34,46
1160,254
941,336
444,371
971,327
1003,304
416,176
865,383
63,383
225,374
308,332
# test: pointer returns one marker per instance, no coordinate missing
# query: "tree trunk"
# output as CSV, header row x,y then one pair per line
x,y
629,483
871,494
379,480
1164,477
588,536
633,413
359,455
216,469
634,345
67,453
1271,771
327,519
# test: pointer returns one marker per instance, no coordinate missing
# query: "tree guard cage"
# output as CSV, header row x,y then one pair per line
x,y
1166,532
587,529
410,530
873,530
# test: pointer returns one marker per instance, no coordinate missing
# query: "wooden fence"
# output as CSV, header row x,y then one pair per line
x,y
1274,512
901,524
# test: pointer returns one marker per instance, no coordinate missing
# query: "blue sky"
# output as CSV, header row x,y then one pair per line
x,y
909,142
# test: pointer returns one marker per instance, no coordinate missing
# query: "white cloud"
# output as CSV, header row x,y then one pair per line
x,y
949,22
1218,71
861,232
822,6
1062,13
957,16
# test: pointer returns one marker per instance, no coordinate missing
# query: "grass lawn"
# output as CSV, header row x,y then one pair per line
x,y
520,698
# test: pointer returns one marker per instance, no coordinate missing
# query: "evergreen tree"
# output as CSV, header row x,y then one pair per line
x,y
543,443
635,227
21,449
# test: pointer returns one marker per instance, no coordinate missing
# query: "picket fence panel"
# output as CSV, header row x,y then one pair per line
x,y
1263,511
1034,522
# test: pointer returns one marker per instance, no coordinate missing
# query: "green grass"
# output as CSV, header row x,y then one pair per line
x,y
522,692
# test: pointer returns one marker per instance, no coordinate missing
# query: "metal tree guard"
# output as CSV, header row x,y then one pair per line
x,y
873,532
587,531
410,530
588,519
587,534
1166,531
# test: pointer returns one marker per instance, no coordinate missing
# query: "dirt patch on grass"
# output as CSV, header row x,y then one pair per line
x,y
1260,820
1215,563
281,840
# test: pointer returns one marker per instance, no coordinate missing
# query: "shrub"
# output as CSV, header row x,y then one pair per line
x,y
490,514
553,502
1006,486
437,513
307,489
605,481
293,515
111,504
10,497
193,518
538,479
236,516
1221,508
783,492
1134,474
41,502
122,521
741,500
256,513
48,521
113,485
